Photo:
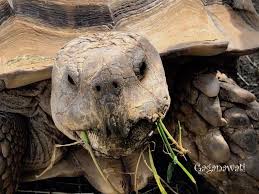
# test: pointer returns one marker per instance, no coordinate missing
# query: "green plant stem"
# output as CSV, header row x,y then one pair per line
x,y
186,172
85,139
179,146
162,131
156,176
180,134
166,143
168,186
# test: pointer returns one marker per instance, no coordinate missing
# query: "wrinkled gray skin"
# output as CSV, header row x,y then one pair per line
x,y
111,85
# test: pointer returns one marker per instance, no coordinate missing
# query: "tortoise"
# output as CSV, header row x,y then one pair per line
x,y
95,66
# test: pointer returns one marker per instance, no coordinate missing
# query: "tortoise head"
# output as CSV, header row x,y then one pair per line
x,y
113,86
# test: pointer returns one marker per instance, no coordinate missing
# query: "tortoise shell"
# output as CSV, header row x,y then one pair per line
x,y
32,31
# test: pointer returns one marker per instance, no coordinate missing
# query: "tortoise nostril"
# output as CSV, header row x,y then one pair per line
x,y
98,88
115,84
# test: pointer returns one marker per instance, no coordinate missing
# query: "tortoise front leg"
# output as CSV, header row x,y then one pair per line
x,y
220,130
113,169
136,165
120,172
13,143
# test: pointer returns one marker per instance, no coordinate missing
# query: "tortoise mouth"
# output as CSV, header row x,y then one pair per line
x,y
112,146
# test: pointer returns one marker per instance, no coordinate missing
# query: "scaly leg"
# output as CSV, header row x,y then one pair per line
x,y
12,144
220,128
112,168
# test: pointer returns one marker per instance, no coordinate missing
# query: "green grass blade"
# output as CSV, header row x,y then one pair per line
x,y
166,143
84,137
162,131
162,137
186,172
166,131
170,170
156,176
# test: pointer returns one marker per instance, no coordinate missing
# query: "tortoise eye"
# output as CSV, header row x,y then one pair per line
x,y
140,70
70,80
